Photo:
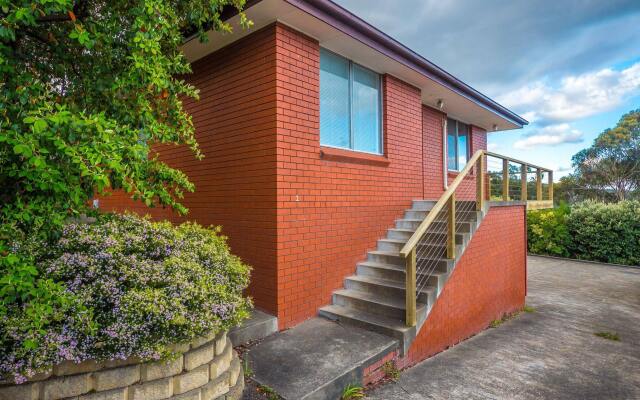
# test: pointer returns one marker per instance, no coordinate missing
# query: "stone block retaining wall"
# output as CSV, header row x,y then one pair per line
x,y
206,369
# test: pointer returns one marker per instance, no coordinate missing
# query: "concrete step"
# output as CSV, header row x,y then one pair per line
x,y
423,205
437,225
462,215
400,234
431,250
386,257
387,289
316,359
258,326
391,327
436,278
370,303
390,244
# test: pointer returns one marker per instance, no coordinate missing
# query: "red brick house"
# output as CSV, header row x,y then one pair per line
x,y
327,144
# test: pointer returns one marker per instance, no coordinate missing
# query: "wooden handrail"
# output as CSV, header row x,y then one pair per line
x,y
516,161
422,228
448,200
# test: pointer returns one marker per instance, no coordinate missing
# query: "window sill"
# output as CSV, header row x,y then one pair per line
x,y
351,156
454,174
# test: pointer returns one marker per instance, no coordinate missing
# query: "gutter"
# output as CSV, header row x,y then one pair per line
x,y
350,24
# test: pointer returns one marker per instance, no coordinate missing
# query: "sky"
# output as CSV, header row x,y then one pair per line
x,y
570,67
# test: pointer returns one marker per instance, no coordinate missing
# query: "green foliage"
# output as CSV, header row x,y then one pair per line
x,y
148,285
572,189
608,335
391,371
612,164
247,371
87,88
352,391
590,230
268,392
528,309
495,323
605,232
547,231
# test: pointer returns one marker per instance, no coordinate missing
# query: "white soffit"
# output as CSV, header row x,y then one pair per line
x,y
266,12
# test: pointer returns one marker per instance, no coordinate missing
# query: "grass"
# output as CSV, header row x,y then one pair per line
x,y
246,369
268,392
506,317
391,371
352,391
496,323
608,335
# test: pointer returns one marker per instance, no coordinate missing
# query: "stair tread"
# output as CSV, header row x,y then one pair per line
x,y
397,267
386,282
368,318
398,303
397,254
385,253
437,219
400,241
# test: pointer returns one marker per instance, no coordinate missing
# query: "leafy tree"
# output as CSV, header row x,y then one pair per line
x,y
612,163
87,87
571,189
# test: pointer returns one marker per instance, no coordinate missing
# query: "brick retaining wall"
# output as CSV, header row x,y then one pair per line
x,y
206,369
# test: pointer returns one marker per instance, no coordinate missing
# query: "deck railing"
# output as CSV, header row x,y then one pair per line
x,y
437,240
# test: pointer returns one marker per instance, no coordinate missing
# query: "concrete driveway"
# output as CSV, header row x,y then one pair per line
x,y
551,353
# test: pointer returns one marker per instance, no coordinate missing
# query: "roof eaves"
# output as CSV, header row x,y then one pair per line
x,y
354,26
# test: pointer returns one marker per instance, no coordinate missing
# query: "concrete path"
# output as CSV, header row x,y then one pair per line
x,y
549,354
316,359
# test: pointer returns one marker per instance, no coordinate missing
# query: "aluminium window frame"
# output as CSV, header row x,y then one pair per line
x,y
350,119
458,168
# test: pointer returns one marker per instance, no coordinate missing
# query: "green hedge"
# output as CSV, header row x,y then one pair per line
x,y
588,231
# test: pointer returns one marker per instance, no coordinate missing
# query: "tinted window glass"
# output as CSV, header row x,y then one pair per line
x,y
334,100
366,110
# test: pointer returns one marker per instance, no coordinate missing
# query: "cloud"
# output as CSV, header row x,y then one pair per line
x,y
508,44
576,96
491,146
549,136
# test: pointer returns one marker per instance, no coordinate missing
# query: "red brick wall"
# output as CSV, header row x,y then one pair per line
x,y
488,281
235,121
331,211
432,147
300,214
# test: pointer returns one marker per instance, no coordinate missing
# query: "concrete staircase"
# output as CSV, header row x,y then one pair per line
x,y
374,298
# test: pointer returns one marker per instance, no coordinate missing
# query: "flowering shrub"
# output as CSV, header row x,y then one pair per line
x,y
134,287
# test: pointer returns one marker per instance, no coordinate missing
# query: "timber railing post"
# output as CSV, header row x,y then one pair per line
x,y
523,179
505,179
451,227
480,183
550,185
538,184
410,288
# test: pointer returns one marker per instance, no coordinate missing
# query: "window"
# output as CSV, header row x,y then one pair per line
x,y
457,144
350,115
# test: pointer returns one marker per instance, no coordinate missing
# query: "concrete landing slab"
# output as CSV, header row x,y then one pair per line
x,y
316,359
258,326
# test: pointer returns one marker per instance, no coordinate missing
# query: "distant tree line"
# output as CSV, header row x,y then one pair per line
x,y
608,170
